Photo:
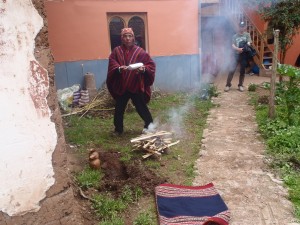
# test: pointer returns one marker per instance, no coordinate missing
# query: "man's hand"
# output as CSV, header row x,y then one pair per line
x,y
239,50
141,69
122,68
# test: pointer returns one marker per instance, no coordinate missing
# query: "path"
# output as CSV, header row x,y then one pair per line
x,y
232,158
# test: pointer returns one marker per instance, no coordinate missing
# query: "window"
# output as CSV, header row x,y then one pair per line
x,y
138,27
137,21
115,26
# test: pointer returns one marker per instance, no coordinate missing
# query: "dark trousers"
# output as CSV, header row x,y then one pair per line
x,y
243,60
140,106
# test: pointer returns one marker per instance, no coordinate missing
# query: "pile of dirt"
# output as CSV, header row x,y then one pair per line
x,y
133,174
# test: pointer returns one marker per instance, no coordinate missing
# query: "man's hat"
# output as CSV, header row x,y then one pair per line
x,y
127,31
242,24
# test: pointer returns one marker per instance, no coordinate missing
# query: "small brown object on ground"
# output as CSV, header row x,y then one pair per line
x,y
94,159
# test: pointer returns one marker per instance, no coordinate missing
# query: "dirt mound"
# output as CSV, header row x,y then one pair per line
x,y
133,175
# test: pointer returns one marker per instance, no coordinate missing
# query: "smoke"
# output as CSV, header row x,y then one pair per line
x,y
175,120
216,33
216,51
216,57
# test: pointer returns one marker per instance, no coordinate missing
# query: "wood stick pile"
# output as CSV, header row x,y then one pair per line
x,y
101,102
153,143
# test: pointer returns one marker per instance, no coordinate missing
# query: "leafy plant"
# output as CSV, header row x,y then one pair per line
x,y
266,85
282,138
285,141
291,93
252,87
207,91
270,128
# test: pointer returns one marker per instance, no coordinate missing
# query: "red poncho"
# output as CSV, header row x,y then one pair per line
x,y
130,80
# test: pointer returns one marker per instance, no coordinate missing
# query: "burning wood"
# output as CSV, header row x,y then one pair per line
x,y
153,143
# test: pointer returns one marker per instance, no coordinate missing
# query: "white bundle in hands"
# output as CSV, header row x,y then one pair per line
x,y
134,66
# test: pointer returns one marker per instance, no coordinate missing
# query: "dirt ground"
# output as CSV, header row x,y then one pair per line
x,y
232,158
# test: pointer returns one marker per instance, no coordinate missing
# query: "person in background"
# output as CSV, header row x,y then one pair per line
x,y
253,68
239,42
125,83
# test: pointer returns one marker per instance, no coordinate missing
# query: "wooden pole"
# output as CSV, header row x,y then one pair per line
x,y
273,77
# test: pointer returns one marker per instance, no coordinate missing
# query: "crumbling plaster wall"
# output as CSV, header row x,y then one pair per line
x,y
35,187
28,136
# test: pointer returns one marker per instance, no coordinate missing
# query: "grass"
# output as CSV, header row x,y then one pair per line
x,y
185,114
107,208
89,178
145,218
292,180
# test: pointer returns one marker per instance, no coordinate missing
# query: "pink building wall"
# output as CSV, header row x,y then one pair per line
x,y
78,30
292,53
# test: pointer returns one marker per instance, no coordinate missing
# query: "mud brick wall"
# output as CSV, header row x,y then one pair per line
x,y
59,206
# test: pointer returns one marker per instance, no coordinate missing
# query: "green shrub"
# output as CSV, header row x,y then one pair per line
x,y
285,141
270,128
252,87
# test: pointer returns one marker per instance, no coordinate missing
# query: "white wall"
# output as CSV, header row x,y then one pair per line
x,y
27,136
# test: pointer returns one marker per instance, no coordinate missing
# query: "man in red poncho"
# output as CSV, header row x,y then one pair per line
x,y
125,82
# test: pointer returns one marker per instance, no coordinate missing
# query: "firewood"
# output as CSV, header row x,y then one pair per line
x,y
153,143
150,154
146,136
174,143
162,148
167,139
149,143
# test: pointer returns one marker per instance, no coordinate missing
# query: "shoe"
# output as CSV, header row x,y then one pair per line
x,y
241,88
117,133
145,131
227,88
251,74
151,129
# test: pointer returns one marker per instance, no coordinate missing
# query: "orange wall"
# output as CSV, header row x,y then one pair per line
x,y
292,53
78,29
255,19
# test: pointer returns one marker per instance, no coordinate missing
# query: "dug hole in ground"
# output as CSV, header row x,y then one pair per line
x,y
232,157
